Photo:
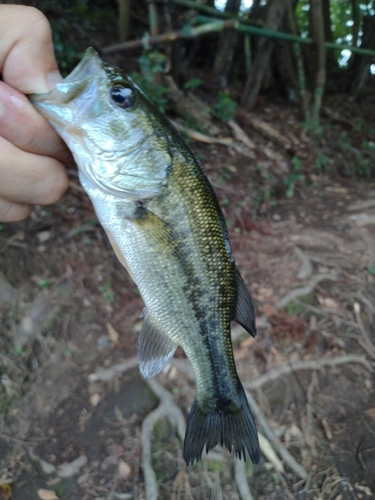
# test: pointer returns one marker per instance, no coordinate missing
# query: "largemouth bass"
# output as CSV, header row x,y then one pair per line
x,y
163,220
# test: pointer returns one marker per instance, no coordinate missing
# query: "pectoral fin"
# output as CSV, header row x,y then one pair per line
x,y
244,313
155,348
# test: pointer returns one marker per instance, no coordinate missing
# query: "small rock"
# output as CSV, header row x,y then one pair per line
x,y
70,469
47,495
104,342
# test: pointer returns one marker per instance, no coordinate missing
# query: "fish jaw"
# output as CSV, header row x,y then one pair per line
x,y
117,150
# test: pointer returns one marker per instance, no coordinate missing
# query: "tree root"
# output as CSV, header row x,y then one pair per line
x,y
298,469
312,364
305,290
167,409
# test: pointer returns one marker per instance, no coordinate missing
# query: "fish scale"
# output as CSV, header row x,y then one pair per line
x,y
163,220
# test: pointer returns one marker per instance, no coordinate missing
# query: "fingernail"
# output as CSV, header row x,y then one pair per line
x,y
54,77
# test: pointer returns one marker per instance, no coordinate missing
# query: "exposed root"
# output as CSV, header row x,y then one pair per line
x,y
364,341
312,364
167,409
241,480
108,374
304,290
310,439
276,443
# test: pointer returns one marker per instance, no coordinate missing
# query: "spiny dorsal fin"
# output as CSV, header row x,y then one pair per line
x,y
244,313
155,348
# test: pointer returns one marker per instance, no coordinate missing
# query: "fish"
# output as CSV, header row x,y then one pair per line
x,y
164,222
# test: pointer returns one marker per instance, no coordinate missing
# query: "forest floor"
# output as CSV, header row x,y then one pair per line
x,y
73,405
75,414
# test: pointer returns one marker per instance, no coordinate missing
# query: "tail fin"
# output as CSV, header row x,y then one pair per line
x,y
235,431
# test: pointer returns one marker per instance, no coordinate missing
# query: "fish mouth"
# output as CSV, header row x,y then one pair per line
x,y
74,83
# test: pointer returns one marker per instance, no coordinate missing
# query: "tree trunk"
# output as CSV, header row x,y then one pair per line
x,y
361,63
274,16
124,19
318,32
328,35
226,47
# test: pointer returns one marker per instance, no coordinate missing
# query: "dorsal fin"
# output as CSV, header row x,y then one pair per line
x,y
244,313
155,348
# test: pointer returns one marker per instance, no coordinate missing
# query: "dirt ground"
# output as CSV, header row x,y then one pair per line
x,y
75,414
78,422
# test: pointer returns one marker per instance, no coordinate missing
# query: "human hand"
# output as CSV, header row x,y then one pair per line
x,y
32,155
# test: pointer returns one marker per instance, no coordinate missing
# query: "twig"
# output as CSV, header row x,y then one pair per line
x,y
240,134
305,290
365,341
198,136
241,479
310,439
312,364
271,436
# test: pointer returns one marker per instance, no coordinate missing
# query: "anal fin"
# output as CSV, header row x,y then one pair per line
x,y
244,313
155,347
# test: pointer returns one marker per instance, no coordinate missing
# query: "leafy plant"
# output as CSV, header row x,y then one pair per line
x,y
193,83
225,108
152,63
107,292
294,177
43,283
322,161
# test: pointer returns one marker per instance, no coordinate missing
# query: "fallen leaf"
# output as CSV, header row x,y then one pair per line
x,y
124,469
112,333
70,469
47,495
94,399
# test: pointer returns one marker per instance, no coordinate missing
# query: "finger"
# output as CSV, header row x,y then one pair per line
x,y
27,60
29,178
27,129
13,212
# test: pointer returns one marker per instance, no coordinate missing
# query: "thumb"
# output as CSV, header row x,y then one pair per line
x,y
27,58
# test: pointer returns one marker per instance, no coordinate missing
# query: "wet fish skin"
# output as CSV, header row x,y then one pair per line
x,y
163,220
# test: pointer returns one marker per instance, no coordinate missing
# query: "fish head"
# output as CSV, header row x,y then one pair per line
x,y
111,128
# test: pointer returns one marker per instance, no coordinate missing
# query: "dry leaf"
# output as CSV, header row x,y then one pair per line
x,y
124,469
94,399
47,495
112,333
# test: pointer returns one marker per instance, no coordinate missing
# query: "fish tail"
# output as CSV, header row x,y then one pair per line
x,y
236,431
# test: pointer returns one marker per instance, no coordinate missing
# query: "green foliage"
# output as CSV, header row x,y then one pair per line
x,y
193,83
225,108
322,161
152,63
371,270
294,177
43,283
107,292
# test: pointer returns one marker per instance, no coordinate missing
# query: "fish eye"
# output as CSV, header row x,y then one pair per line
x,y
122,96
